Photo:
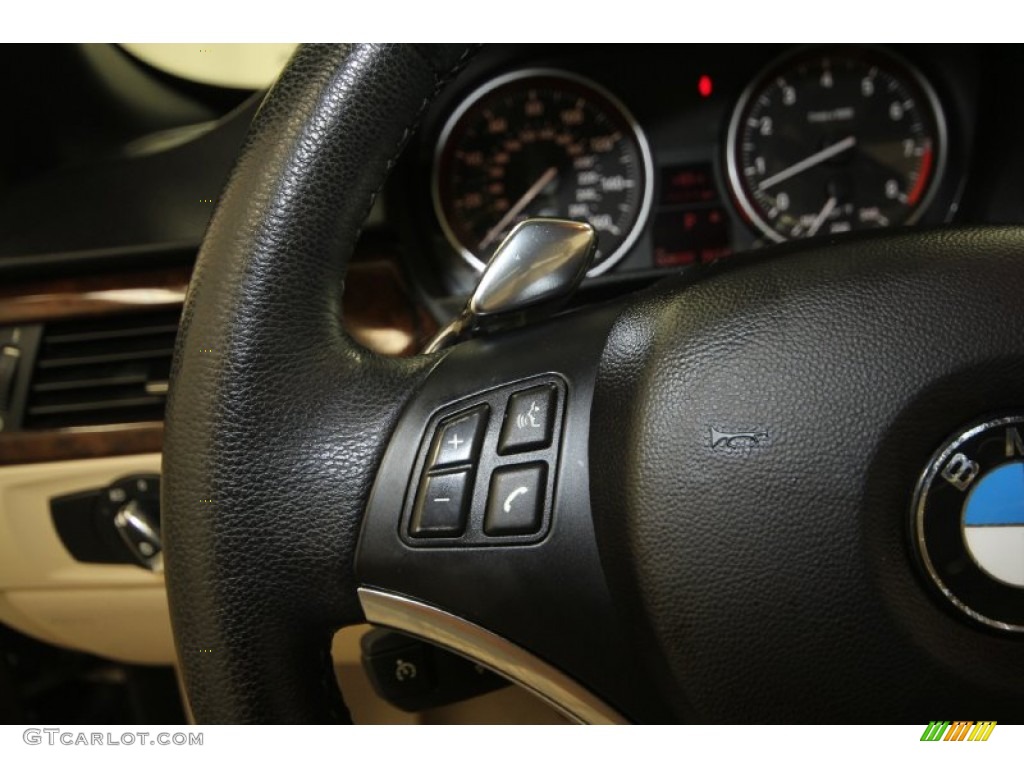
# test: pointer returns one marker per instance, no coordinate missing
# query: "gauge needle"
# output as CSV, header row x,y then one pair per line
x,y
808,162
546,178
826,209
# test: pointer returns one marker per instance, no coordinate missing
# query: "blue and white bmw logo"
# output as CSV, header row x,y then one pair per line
x,y
968,522
994,523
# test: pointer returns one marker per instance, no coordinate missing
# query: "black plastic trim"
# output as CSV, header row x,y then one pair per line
x,y
489,461
100,259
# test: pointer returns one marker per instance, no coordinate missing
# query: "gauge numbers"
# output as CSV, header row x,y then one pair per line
x,y
541,143
834,141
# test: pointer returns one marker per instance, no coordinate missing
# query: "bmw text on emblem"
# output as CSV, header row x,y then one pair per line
x,y
968,522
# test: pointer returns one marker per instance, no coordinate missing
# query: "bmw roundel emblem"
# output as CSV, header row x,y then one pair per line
x,y
968,522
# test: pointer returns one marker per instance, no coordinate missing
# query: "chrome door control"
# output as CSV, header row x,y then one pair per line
x,y
140,534
113,525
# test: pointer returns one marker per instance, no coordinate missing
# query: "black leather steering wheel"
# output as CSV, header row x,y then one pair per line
x,y
669,575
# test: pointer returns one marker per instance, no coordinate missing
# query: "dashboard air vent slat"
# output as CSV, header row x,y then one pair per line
x,y
84,380
111,357
78,406
108,370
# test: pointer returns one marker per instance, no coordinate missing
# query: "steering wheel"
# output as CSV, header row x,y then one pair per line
x,y
712,519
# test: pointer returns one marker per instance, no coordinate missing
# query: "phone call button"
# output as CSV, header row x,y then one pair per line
x,y
515,502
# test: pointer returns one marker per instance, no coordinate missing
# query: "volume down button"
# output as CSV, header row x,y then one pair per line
x,y
440,509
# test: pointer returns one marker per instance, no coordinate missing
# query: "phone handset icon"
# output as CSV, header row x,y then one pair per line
x,y
507,506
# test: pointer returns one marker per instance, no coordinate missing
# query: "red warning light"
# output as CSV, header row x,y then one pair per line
x,y
704,86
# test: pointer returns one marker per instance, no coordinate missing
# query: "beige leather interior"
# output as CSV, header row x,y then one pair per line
x,y
116,611
120,611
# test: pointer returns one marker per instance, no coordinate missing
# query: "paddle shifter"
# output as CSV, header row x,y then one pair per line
x,y
533,272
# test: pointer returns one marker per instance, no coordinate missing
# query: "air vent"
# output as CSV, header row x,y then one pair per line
x,y
109,370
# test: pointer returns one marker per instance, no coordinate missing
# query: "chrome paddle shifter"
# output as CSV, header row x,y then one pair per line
x,y
532,273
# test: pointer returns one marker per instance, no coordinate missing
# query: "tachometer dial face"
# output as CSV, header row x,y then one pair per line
x,y
541,143
835,140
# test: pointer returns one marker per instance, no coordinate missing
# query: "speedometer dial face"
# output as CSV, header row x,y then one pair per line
x,y
833,141
541,143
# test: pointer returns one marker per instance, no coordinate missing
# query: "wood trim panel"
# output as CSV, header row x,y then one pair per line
x,y
80,443
380,313
39,301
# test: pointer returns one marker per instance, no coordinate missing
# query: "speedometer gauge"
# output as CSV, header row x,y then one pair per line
x,y
541,143
835,140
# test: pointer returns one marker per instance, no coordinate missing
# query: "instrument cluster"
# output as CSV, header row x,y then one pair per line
x,y
681,156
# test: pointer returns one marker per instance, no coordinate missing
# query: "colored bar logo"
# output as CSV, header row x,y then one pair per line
x,y
961,730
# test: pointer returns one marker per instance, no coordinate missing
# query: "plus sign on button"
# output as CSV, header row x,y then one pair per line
x,y
458,439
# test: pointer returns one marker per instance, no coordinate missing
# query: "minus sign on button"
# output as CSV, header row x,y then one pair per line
x,y
445,500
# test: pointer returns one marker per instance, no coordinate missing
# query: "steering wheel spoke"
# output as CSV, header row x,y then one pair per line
x,y
478,535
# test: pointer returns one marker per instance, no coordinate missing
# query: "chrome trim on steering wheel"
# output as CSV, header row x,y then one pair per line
x,y
488,649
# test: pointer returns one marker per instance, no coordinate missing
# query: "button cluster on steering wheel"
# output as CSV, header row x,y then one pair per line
x,y
484,481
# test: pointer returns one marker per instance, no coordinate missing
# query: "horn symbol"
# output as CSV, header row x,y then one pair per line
x,y
721,439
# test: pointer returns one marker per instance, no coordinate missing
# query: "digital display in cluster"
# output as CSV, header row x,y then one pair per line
x,y
690,225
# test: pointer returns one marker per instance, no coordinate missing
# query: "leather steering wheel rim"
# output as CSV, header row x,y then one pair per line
x,y
668,572
261,360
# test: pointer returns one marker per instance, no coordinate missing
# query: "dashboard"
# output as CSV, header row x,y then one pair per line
x,y
680,157
684,156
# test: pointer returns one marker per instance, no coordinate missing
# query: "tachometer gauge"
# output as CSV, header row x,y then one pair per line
x,y
835,140
541,143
